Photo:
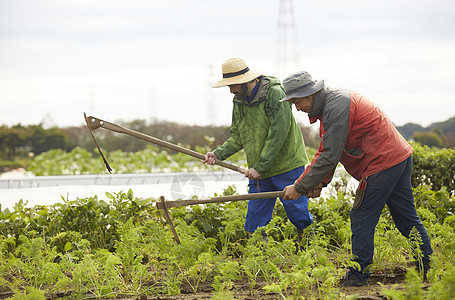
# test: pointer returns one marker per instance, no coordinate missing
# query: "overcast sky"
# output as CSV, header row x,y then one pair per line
x,y
147,59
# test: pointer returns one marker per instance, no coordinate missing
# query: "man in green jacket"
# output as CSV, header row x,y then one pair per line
x,y
272,140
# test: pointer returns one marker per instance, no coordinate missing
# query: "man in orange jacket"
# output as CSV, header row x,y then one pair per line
x,y
357,133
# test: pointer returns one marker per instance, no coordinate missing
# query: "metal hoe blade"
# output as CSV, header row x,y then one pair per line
x,y
93,124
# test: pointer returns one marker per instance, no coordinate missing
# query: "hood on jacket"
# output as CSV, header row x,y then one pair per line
x,y
266,83
318,104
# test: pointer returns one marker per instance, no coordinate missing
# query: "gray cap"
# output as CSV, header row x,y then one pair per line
x,y
299,85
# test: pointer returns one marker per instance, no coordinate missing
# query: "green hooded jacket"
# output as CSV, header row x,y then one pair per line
x,y
266,129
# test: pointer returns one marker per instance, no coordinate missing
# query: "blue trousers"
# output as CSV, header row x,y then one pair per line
x,y
260,211
391,187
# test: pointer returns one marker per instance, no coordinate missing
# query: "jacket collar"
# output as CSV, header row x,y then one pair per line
x,y
260,94
318,105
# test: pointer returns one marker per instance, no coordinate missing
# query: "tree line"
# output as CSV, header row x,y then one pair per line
x,y
22,142
439,134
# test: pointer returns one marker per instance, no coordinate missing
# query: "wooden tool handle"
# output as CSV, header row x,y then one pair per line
x,y
95,123
253,196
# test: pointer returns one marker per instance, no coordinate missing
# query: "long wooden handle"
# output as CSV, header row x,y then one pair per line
x,y
253,196
95,123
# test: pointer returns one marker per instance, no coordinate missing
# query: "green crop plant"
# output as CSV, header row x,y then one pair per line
x,y
70,242
227,273
194,250
35,262
412,288
256,259
443,241
129,251
207,219
326,276
28,293
415,241
389,247
193,243
231,234
111,280
330,216
151,159
440,203
87,277
5,245
299,278
159,256
200,270
58,162
443,287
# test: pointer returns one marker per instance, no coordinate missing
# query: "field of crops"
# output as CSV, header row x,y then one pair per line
x,y
121,247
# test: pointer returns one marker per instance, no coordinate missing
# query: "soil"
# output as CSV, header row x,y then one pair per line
x,y
241,290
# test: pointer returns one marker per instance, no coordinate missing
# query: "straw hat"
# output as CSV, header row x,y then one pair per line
x,y
299,85
235,71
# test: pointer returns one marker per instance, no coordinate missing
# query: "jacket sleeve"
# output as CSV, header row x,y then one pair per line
x,y
280,116
334,132
233,144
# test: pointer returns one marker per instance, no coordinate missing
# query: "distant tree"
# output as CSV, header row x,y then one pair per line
x,y
19,140
448,129
56,139
446,126
409,129
186,135
13,141
431,139
449,141
36,136
138,125
40,140
79,136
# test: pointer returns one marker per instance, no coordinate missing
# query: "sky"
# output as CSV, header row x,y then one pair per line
x,y
156,60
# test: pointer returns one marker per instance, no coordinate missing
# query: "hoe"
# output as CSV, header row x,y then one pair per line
x,y
94,123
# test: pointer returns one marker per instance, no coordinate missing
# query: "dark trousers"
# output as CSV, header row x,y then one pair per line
x,y
391,187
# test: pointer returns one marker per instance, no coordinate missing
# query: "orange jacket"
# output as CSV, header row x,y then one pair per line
x,y
355,132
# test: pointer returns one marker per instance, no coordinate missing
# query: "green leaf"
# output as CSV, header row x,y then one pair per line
x,y
68,246
130,194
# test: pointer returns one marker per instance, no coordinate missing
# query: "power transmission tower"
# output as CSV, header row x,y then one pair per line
x,y
287,57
